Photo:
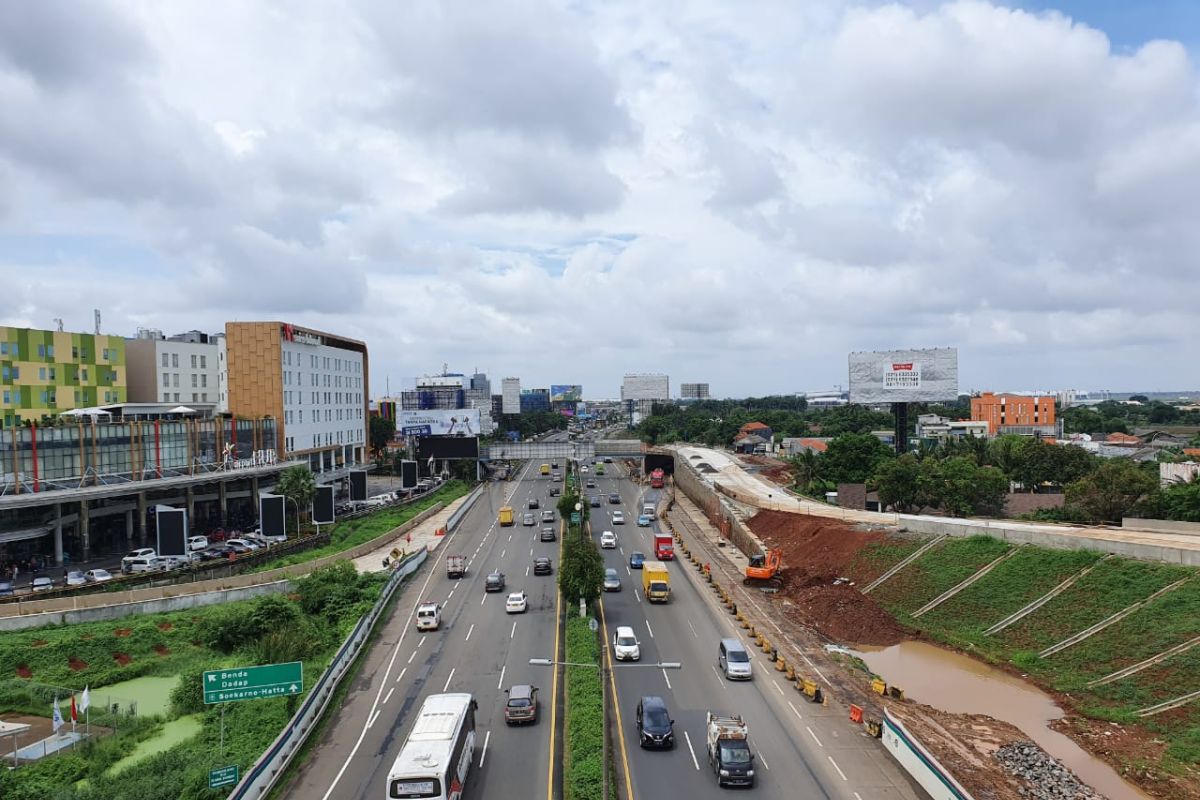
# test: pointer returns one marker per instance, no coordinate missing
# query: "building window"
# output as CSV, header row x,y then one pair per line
x,y
204,397
45,398
175,360
166,360
7,396
52,373
41,373
3,348
166,397
204,380
301,411
194,360
176,397
203,362
41,351
166,380
83,373
195,382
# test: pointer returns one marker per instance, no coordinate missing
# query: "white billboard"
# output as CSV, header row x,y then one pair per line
x,y
438,422
904,376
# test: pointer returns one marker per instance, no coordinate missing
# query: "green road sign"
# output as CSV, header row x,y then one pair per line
x,y
575,517
222,776
253,683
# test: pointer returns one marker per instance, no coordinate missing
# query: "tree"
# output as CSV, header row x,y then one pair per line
x,y
381,432
1139,398
1179,501
1112,491
298,485
963,488
853,458
806,467
581,573
898,481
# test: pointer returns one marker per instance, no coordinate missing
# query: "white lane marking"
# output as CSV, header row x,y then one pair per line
x,y
470,630
420,642
414,655
483,599
500,682
689,741
793,708
483,755
693,627
450,677
513,632
388,696
628,570
717,672
835,766
401,675
810,733
638,596
650,629
760,758
502,552
510,539
374,716
776,685
526,572
665,678
531,551
857,796
451,593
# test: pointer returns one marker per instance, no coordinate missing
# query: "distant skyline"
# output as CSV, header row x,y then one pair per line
x,y
737,194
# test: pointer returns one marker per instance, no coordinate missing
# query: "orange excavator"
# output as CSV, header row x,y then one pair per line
x,y
764,569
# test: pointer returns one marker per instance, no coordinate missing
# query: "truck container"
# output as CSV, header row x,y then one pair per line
x,y
664,547
657,478
506,516
456,566
545,469
656,582
729,750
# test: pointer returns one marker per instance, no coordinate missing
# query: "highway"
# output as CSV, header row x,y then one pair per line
x,y
803,750
479,649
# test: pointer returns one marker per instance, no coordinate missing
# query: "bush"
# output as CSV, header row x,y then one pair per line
x,y
231,629
188,695
338,593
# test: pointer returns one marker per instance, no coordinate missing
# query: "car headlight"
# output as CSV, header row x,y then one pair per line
x,y
749,773
724,773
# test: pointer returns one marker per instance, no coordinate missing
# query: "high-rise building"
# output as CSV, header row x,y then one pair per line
x,y
43,373
693,391
182,369
1015,413
435,392
535,400
314,384
510,392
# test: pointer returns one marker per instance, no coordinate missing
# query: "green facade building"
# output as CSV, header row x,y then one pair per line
x,y
43,373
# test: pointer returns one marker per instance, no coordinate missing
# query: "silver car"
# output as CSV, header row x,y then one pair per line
x,y
612,580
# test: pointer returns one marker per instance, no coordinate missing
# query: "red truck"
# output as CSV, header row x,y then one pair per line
x,y
657,478
664,547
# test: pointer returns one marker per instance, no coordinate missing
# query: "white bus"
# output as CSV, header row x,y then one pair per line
x,y
437,755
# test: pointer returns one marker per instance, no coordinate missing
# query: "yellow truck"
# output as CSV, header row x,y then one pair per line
x,y
656,581
545,469
506,516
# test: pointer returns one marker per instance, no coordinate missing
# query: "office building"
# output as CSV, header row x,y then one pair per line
x,y
314,384
182,369
535,400
934,427
693,391
43,373
435,392
1026,415
510,393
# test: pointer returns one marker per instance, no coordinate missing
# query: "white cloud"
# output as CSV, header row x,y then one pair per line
x,y
568,192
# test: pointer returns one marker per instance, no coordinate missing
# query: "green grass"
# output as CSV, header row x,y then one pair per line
x,y
878,557
583,765
940,569
352,533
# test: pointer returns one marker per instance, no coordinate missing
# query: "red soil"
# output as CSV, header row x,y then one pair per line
x,y
39,643
23,671
162,650
122,659
165,626
122,632
76,664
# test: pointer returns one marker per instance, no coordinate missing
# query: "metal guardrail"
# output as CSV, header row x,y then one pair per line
x,y
261,777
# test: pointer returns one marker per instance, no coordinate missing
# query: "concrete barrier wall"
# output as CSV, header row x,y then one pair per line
x,y
134,596
706,497
919,762
1162,526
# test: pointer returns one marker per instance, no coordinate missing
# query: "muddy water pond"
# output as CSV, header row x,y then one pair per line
x,y
955,683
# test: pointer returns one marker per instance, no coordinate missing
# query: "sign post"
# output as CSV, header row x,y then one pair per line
x,y
253,683
223,776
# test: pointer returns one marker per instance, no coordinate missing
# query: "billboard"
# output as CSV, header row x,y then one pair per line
x,y
439,422
322,505
904,376
171,524
440,447
358,485
569,393
271,513
408,474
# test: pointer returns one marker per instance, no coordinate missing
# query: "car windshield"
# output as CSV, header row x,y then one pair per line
x,y
735,755
656,718
626,641
518,702
738,656
610,573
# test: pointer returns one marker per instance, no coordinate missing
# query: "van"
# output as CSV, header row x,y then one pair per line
x,y
429,617
733,660
142,564
648,510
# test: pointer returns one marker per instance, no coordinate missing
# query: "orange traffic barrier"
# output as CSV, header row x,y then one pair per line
x,y
855,713
440,532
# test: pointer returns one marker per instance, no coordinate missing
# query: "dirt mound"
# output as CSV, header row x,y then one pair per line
x,y
122,658
845,615
162,650
23,671
165,626
814,545
76,664
122,632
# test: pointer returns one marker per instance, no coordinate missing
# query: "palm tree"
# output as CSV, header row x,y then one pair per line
x,y
806,467
298,485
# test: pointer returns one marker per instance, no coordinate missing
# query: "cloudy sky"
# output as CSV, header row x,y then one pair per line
x,y
737,193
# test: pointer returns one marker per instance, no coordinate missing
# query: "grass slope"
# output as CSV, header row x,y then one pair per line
x,y
942,568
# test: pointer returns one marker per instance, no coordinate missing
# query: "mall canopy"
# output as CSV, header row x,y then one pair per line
x,y
85,412
181,410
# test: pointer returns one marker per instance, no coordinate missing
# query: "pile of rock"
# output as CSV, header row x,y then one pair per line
x,y
1047,779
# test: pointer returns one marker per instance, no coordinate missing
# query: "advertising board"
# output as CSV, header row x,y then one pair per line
x,y
408,474
323,512
439,422
271,514
566,393
358,485
904,376
443,447
172,527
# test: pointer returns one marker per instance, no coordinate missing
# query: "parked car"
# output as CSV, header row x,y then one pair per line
x,y
654,724
625,645
76,578
618,517
237,546
612,581
132,566
248,544
636,559
516,603
521,705
542,566
197,542
142,554
213,553
98,576
6,589
608,540
494,582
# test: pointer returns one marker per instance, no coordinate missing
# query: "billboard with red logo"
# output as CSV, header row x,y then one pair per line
x,y
904,376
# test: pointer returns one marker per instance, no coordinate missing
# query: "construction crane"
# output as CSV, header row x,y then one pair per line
x,y
764,570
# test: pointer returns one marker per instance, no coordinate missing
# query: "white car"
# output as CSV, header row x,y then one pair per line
x,y
97,575
42,584
618,518
429,617
583,468
141,554
625,645
76,578
608,540
249,544
516,603
197,543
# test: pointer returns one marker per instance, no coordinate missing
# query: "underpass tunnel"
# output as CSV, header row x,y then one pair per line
x,y
663,461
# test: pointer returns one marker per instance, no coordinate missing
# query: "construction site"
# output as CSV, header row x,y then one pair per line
x,y
1028,671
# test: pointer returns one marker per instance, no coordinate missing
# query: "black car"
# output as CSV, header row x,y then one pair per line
x,y
214,553
548,534
614,499
541,566
555,491
654,724
594,501
533,502
494,582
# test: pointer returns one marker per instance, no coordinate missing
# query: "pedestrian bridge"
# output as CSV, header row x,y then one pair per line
x,y
575,451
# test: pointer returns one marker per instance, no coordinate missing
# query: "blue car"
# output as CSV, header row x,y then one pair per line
x,y
636,560
643,521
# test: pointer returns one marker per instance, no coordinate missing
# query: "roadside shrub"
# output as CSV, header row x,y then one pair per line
x,y
338,592
230,629
188,695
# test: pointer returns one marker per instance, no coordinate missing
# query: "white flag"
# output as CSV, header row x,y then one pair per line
x,y
57,720
84,700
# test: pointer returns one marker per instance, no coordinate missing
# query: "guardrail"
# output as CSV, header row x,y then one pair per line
x,y
261,777
461,513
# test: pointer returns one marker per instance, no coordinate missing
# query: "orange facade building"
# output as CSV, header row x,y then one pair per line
x,y
1002,412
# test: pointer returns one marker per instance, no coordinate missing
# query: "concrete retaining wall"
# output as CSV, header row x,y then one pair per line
x,y
916,759
725,521
1162,526
133,598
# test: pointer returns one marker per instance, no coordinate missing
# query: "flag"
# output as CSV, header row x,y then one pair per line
x,y
74,711
57,720
431,463
85,700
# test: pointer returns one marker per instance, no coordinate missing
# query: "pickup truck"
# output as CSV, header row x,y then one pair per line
x,y
729,750
656,582
456,566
